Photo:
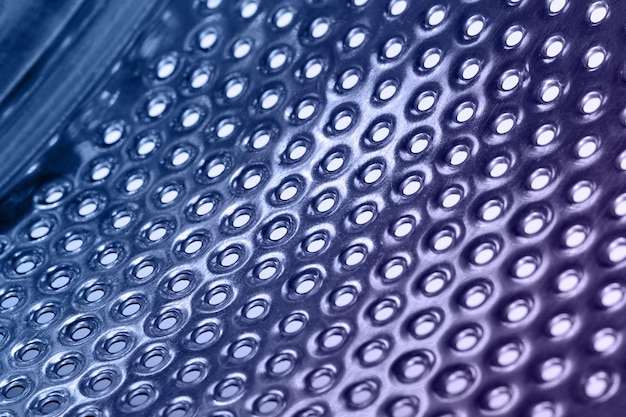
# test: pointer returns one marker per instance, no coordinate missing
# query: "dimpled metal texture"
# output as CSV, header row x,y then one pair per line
x,y
332,208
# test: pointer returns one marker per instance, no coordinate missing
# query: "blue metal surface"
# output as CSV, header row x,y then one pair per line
x,y
322,208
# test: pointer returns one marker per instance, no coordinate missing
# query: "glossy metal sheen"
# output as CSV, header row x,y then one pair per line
x,y
330,208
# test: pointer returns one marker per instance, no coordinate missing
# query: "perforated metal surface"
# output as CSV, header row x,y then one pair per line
x,y
331,208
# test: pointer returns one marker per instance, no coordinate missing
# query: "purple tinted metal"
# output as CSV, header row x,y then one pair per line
x,y
330,208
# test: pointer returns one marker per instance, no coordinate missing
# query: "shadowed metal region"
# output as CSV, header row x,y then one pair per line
x,y
53,53
312,208
27,30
